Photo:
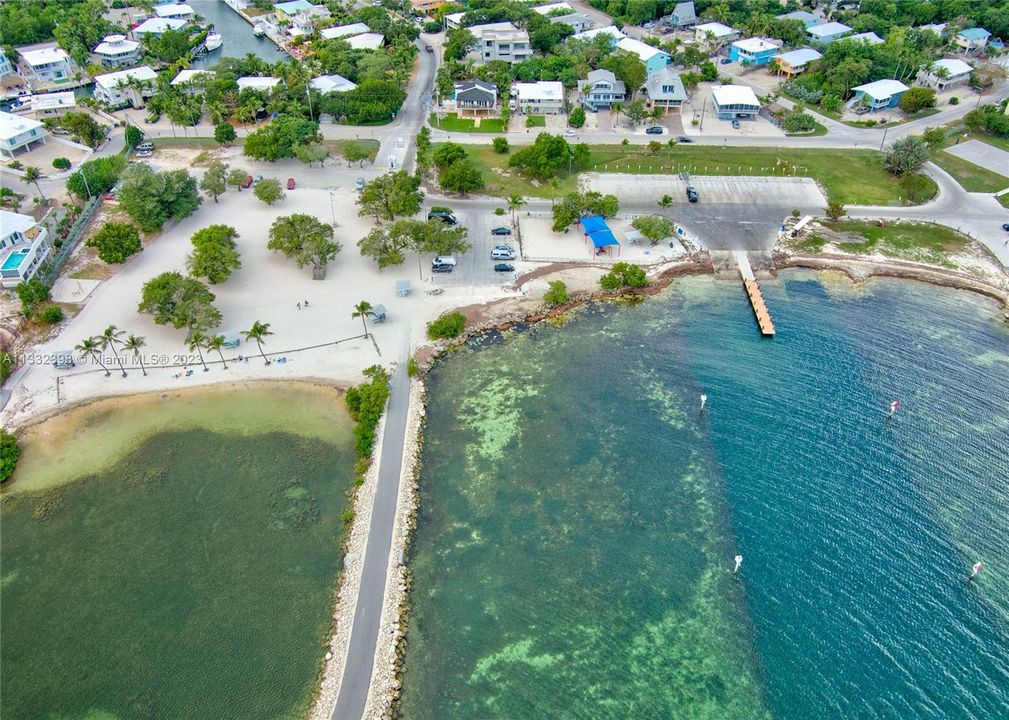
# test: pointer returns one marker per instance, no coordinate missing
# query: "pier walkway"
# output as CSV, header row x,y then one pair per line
x,y
753,292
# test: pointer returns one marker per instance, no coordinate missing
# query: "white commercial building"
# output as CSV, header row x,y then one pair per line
x,y
17,132
540,98
24,246
126,87
48,65
117,51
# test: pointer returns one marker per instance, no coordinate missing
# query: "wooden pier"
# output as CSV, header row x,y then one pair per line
x,y
753,292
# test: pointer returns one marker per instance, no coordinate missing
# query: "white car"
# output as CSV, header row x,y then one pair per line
x,y
569,133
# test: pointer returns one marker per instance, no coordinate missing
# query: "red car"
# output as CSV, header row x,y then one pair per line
x,y
290,183
248,182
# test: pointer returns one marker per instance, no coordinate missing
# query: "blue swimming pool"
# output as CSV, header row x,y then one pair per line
x,y
14,260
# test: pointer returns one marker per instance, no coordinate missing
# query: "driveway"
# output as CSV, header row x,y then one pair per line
x,y
982,154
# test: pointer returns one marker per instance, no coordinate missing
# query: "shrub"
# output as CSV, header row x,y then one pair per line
x,y
917,98
623,275
52,314
116,242
799,122
954,100
61,163
556,294
432,26
905,155
797,91
499,211
577,118
500,145
366,403
834,210
412,368
918,187
9,452
449,325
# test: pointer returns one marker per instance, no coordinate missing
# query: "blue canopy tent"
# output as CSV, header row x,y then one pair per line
x,y
596,230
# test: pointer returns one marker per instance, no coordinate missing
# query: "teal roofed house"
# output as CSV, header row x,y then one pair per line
x,y
972,39
807,18
828,32
881,94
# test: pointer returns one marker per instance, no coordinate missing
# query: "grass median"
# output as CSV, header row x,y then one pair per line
x,y
972,178
850,177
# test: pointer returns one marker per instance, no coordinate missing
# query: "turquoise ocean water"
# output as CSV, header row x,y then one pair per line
x,y
579,516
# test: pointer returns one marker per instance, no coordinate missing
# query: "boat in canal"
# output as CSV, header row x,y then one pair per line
x,y
214,40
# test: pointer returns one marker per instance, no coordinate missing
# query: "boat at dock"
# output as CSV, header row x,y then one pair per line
x,y
214,40
259,30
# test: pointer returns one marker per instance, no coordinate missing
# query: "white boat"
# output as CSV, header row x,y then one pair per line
x,y
259,30
214,40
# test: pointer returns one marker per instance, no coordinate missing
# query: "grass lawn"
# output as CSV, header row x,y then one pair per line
x,y
1004,199
818,130
453,123
340,147
851,177
192,142
918,242
536,121
973,178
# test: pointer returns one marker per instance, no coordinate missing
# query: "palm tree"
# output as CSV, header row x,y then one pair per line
x,y
32,175
133,344
109,339
361,310
514,203
195,341
258,332
217,343
90,348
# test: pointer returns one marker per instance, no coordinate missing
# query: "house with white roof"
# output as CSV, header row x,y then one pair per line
x,y
53,105
47,65
938,28
188,80
665,89
881,94
366,41
501,41
579,22
553,7
828,32
807,18
117,51
793,62
540,98
869,38
654,58
945,73
257,83
24,246
126,87
157,26
287,10
454,21
754,51
971,39
18,132
304,22
174,11
332,83
614,33
714,33
343,31
733,102
600,90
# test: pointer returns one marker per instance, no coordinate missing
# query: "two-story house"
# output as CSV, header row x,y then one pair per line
x,y
807,18
157,27
653,58
793,62
540,98
17,132
47,65
117,51
734,102
53,105
971,39
579,22
945,73
612,31
126,87
754,51
174,11
828,32
24,246
600,90
304,22
475,95
501,41
880,95
344,31
714,34
665,89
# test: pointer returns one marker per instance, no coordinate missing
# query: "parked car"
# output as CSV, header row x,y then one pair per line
x,y
61,131
569,133
502,254
290,183
683,139
248,182
504,267
691,194
146,145
442,268
444,260
429,48
501,231
655,130
144,154
735,124
443,215
725,61
259,179
359,184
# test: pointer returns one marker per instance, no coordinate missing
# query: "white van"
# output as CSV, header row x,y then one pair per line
x,y
444,260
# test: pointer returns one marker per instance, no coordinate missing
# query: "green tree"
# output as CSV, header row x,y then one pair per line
x,y
90,349
905,155
151,197
447,326
217,343
934,137
423,143
448,153
196,341
215,179
392,195
916,99
134,136
666,201
116,242
361,310
556,294
96,177
577,117
258,332
311,152
500,145
109,339
544,158
654,227
306,241
31,293
628,68
135,344
278,139
623,275
215,254
61,163
354,151
237,177
514,203
9,453
576,205
33,175
834,210
635,111
224,133
84,127
269,191
182,302
461,176
386,245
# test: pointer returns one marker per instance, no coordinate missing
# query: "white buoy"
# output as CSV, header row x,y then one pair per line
x,y
704,399
739,561
978,566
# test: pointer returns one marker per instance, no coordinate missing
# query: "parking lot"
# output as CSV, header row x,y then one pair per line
x,y
732,213
476,266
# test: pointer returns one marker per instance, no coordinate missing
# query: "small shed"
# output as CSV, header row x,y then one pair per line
x,y
402,288
377,313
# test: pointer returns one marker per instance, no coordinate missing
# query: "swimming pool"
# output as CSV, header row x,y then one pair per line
x,y
14,260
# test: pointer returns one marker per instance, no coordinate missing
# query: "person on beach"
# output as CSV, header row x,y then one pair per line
x,y
306,303
299,306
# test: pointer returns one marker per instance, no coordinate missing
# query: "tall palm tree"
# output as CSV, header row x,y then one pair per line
x,y
90,348
196,341
32,175
514,203
361,310
217,343
109,339
258,332
133,344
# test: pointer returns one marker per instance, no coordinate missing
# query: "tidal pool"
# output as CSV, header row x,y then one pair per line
x,y
188,571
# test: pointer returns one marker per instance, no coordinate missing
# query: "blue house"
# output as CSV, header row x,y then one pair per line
x,y
808,19
653,58
881,94
753,51
827,32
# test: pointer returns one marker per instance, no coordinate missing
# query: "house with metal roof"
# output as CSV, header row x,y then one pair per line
x,y
332,83
157,26
683,15
733,102
366,41
945,73
475,95
828,32
552,8
285,11
715,33
654,58
611,30
53,105
117,51
540,98
793,62
264,84
579,22
754,51
47,65
807,18
600,89
342,31
174,10
665,89
971,39
18,132
126,87
868,38
881,94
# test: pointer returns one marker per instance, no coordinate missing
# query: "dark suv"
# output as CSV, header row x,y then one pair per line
x,y
691,194
445,217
